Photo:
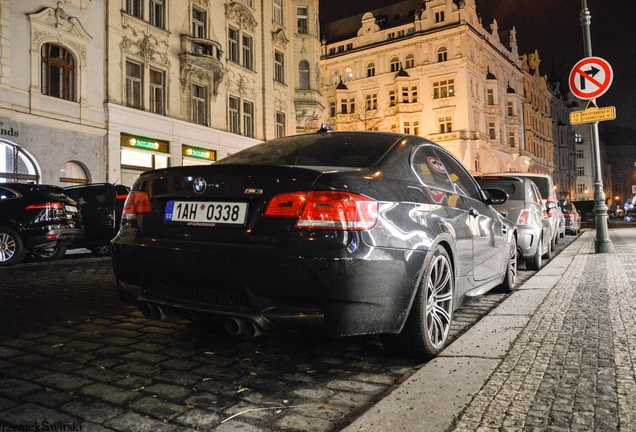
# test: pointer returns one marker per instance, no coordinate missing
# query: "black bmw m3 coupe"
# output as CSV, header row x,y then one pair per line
x,y
344,233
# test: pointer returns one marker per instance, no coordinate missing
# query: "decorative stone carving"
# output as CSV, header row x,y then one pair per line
x,y
241,84
189,70
279,38
146,50
241,14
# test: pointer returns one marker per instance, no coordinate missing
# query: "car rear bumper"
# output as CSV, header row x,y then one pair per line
x,y
527,241
367,293
54,237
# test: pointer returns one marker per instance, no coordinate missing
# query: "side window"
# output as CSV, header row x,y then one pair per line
x,y
430,169
463,181
7,194
536,196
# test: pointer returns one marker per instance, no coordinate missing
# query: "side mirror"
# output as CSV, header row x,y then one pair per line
x,y
495,196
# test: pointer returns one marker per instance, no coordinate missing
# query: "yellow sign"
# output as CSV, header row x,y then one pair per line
x,y
591,115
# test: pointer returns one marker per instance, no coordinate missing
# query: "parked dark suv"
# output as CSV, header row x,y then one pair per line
x,y
101,205
38,220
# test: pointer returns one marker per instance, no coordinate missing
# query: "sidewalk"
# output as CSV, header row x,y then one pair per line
x,y
557,355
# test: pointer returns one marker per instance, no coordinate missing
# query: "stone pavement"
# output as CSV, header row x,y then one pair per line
x,y
557,355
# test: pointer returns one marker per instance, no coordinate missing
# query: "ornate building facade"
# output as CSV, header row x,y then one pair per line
x,y
52,118
433,69
192,81
102,90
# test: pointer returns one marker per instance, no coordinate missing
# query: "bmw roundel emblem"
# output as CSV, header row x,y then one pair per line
x,y
199,185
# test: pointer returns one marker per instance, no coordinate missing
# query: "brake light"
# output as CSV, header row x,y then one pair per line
x,y
286,205
137,202
331,210
122,197
524,217
48,205
567,216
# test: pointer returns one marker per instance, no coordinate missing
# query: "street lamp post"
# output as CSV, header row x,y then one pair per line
x,y
602,243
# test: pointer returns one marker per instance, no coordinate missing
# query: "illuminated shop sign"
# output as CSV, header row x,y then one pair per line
x,y
198,153
143,143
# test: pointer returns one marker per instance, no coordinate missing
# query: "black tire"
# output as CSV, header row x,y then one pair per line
x,y
509,283
49,254
103,250
534,262
12,250
427,327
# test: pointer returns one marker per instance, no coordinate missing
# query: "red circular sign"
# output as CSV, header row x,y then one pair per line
x,y
590,78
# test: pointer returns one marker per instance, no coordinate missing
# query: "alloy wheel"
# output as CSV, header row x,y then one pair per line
x,y
439,301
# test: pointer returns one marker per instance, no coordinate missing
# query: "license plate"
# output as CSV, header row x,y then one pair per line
x,y
206,212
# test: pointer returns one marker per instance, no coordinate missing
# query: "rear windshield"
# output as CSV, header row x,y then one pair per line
x,y
355,150
514,189
542,184
566,208
51,193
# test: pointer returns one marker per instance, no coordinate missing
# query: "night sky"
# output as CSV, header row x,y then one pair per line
x,y
553,27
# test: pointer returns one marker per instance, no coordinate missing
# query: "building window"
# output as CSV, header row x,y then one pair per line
x,y
445,124
578,139
134,8
580,154
199,103
580,171
352,105
395,64
73,174
391,97
414,94
348,74
405,95
409,61
278,12
280,124
302,17
247,52
416,128
233,45
335,77
248,119
234,115
134,95
442,54
490,97
156,91
332,109
477,164
199,23
511,139
407,128
371,101
156,13
491,131
580,188
303,75
443,89
279,67
439,17
58,72
249,3
343,106
510,107
371,69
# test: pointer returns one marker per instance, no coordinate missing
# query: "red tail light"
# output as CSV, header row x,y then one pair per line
x,y
122,197
567,216
326,210
524,217
48,205
138,202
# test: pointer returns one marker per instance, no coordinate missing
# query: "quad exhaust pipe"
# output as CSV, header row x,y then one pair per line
x,y
234,326
237,326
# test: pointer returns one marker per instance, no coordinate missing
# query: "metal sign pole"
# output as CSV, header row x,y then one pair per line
x,y
602,243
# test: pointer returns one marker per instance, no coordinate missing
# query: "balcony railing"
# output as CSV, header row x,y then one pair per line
x,y
201,47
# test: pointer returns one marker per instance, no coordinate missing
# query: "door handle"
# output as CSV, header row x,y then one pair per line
x,y
473,212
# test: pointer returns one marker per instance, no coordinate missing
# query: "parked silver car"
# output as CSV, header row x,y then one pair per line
x,y
546,189
572,217
525,208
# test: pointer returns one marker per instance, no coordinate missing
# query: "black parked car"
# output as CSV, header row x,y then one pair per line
x,y
38,220
347,233
101,205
